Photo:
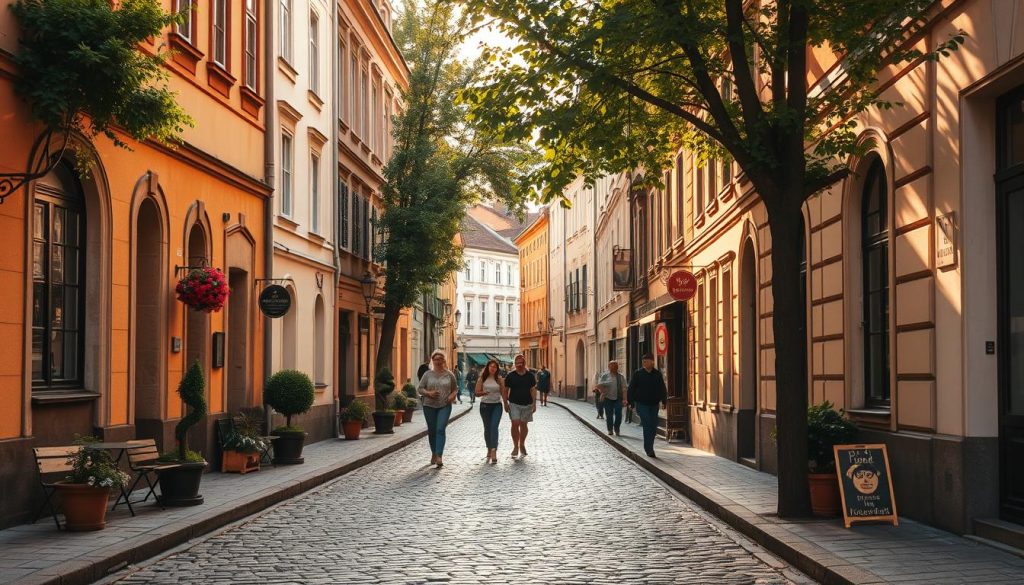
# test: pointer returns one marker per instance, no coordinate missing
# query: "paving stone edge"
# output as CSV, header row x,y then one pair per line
x,y
99,564
803,554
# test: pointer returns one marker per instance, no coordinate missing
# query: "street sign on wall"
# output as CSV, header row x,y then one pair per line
x,y
622,269
661,339
682,285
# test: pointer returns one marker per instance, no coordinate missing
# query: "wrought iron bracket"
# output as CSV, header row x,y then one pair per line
x,y
44,157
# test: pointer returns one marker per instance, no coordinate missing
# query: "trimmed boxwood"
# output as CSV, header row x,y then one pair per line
x,y
289,392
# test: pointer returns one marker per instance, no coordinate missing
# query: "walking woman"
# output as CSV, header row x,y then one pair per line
x,y
521,403
438,388
490,388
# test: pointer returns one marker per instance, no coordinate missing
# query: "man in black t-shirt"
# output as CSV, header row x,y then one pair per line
x,y
521,403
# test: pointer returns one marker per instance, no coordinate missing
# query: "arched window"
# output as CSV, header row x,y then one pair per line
x,y
875,283
58,281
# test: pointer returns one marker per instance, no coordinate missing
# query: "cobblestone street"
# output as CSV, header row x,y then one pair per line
x,y
573,511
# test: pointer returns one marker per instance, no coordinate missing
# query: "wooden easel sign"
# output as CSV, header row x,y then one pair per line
x,y
865,484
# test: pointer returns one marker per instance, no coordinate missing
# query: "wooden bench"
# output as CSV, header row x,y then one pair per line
x,y
51,461
143,461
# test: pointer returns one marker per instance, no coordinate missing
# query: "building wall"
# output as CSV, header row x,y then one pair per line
x,y
612,307
147,212
533,262
557,295
484,293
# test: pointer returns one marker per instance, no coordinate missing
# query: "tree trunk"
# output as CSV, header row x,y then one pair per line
x,y
789,308
389,328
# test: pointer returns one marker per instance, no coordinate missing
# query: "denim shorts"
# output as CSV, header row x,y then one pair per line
x,y
520,412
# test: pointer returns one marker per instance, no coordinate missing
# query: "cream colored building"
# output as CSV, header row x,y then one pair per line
x,y
914,287
611,306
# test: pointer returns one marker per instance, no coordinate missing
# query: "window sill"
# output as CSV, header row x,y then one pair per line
x,y
376,160
315,100
219,79
184,53
364,147
699,220
252,103
342,126
317,237
870,417
320,387
63,397
712,207
727,193
287,221
285,67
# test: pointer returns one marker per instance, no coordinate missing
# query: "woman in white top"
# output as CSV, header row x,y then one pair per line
x,y
438,389
490,388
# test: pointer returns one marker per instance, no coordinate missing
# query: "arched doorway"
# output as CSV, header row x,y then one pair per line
x,y
581,370
319,371
197,323
747,416
149,299
238,340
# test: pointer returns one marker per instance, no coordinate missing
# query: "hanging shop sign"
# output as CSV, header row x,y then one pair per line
x,y
661,339
275,301
682,285
865,484
622,269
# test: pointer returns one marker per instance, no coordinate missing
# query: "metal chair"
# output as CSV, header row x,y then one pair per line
x,y
143,461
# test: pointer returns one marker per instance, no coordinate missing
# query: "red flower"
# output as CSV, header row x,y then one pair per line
x,y
203,289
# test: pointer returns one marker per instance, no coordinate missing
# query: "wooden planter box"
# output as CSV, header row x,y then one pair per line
x,y
235,462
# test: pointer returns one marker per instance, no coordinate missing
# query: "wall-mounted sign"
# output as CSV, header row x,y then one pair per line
x,y
622,269
661,339
945,240
865,484
275,301
218,350
682,285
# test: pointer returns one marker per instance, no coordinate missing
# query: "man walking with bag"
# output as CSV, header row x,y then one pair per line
x,y
612,386
646,391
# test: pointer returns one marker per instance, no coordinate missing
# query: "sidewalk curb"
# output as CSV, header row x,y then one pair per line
x,y
805,555
105,561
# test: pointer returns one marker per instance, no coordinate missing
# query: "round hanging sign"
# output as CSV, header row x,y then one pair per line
x,y
275,301
682,285
661,339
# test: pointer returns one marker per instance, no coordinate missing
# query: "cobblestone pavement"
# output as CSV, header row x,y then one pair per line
x,y
572,511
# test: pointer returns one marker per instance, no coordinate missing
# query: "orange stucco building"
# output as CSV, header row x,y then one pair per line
x,y
94,340
534,311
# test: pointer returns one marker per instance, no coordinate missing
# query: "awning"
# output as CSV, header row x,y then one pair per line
x,y
500,358
476,358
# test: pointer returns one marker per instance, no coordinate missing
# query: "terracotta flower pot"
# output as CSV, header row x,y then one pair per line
x,y
238,462
407,417
84,506
352,429
398,418
824,494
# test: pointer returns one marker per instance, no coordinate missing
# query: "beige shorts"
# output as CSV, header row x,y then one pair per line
x,y
520,412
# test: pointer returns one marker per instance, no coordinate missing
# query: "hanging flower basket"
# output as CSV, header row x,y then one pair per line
x,y
203,289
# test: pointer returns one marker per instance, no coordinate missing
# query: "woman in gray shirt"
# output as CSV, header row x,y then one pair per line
x,y
490,388
438,389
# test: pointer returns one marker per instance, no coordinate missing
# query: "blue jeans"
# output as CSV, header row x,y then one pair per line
x,y
491,415
612,413
649,421
437,423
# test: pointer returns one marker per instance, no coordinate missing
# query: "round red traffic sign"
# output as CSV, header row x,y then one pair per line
x,y
682,285
661,339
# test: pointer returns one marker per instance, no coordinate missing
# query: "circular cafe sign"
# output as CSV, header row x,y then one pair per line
x,y
275,301
661,339
682,285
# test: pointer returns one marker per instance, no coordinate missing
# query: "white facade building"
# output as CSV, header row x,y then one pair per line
x,y
487,296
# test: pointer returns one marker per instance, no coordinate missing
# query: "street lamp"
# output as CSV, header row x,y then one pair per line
x,y
369,284
460,340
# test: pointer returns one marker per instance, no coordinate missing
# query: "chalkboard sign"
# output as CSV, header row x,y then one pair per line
x,y
865,484
275,301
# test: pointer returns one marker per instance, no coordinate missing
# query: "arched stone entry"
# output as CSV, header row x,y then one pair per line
x,y
581,370
197,323
747,416
149,310
240,259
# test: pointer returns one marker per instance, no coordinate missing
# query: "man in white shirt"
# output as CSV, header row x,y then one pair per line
x,y
612,386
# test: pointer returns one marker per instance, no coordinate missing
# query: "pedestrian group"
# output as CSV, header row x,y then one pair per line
x,y
516,393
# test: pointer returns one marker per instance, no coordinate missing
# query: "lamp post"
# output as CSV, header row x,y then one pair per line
x,y
369,285
460,340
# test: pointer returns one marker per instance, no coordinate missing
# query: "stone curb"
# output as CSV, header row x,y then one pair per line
x,y
101,563
809,558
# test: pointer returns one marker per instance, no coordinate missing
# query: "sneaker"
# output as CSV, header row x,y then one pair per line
x,y
652,455
610,433
617,433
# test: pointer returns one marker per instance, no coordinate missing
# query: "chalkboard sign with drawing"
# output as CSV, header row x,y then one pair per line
x,y
865,484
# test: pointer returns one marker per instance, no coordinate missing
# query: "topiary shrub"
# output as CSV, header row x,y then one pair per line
x,y
192,390
289,392
409,390
383,386
399,401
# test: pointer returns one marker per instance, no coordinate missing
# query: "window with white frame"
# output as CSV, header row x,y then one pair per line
x,y
469,313
469,275
364,106
511,317
314,52
353,88
186,29
251,48
374,122
219,25
343,211
483,313
285,34
497,314
510,281
342,68
497,273
287,172
483,271
314,193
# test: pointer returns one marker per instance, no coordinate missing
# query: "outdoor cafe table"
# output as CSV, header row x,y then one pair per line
x,y
119,446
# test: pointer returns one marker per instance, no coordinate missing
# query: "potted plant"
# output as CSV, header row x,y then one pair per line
x,y
84,493
179,484
410,403
826,427
203,289
289,392
410,391
383,417
352,419
399,403
243,446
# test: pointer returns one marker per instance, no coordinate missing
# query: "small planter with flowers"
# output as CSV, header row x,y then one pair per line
x,y
203,289
84,493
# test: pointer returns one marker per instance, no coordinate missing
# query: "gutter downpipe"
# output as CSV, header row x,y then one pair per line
x,y
334,212
269,168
